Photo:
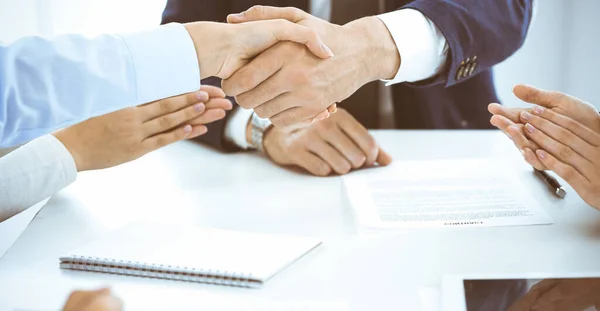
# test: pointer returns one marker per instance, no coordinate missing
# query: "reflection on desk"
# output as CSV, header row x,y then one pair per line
x,y
568,294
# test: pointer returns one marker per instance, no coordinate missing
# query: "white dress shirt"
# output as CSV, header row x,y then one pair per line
x,y
33,173
421,44
47,84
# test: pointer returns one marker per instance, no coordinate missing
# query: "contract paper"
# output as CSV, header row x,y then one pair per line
x,y
449,193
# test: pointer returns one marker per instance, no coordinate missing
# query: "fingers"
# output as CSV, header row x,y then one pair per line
x,y
288,31
175,135
510,113
571,125
254,73
321,116
516,133
259,12
171,120
296,114
213,91
258,97
562,152
533,95
383,158
219,103
345,146
360,135
207,117
565,171
105,303
332,109
331,156
559,133
313,164
168,105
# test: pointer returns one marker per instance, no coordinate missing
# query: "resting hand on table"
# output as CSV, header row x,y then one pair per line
x,y
561,295
130,133
562,134
98,300
335,145
289,85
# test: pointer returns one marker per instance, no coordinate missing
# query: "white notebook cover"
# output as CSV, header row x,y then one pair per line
x,y
184,253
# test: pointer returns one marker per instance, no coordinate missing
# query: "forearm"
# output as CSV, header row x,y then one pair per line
x,y
32,173
50,84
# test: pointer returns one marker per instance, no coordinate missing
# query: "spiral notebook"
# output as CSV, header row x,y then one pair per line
x,y
191,254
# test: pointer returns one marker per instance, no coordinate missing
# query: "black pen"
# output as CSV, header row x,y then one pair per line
x,y
552,183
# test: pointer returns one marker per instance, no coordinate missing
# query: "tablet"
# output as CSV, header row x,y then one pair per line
x,y
577,291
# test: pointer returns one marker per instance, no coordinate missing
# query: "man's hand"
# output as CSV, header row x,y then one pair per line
x,y
130,133
289,85
335,145
98,300
509,120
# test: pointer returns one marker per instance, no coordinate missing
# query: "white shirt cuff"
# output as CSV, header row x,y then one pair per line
x,y
422,46
235,129
59,152
165,62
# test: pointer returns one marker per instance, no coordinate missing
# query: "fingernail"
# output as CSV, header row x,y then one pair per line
x,y
187,129
526,115
238,15
199,107
542,154
202,96
522,152
334,110
530,128
327,49
537,110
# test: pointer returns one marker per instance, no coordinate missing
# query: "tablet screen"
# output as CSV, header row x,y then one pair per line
x,y
569,294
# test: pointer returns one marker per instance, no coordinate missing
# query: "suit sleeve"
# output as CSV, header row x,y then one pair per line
x,y
480,34
185,11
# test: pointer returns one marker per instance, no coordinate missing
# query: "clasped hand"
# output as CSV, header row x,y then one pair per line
x,y
289,85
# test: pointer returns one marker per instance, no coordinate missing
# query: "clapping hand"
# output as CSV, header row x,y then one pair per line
x,y
130,133
561,133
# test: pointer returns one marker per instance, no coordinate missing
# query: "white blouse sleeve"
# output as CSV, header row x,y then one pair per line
x,y
33,173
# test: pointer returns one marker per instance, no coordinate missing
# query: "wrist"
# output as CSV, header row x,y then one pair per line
x,y
380,55
211,45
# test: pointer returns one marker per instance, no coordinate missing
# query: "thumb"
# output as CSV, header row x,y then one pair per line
x,y
383,158
259,12
534,95
283,30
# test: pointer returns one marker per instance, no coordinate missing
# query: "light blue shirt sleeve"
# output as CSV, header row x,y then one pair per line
x,y
47,84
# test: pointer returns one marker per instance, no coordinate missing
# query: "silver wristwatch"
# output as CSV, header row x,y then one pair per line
x,y
259,127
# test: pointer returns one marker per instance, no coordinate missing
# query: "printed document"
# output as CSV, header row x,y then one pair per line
x,y
449,193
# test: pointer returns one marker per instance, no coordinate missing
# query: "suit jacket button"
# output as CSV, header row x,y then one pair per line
x,y
468,60
459,74
472,69
474,58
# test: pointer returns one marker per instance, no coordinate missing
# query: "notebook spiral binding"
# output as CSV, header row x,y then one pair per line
x,y
134,268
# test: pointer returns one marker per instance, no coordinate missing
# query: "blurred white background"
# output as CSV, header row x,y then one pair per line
x,y
561,53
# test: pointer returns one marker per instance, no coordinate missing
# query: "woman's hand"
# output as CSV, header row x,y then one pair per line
x,y
510,122
568,148
130,133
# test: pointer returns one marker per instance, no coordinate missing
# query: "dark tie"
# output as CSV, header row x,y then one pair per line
x,y
368,104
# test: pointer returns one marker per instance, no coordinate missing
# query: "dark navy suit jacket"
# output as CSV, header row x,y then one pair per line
x,y
480,34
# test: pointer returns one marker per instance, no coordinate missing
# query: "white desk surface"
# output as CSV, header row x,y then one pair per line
x,y
189,184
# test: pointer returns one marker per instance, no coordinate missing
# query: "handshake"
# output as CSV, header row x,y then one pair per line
x,y
289,66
